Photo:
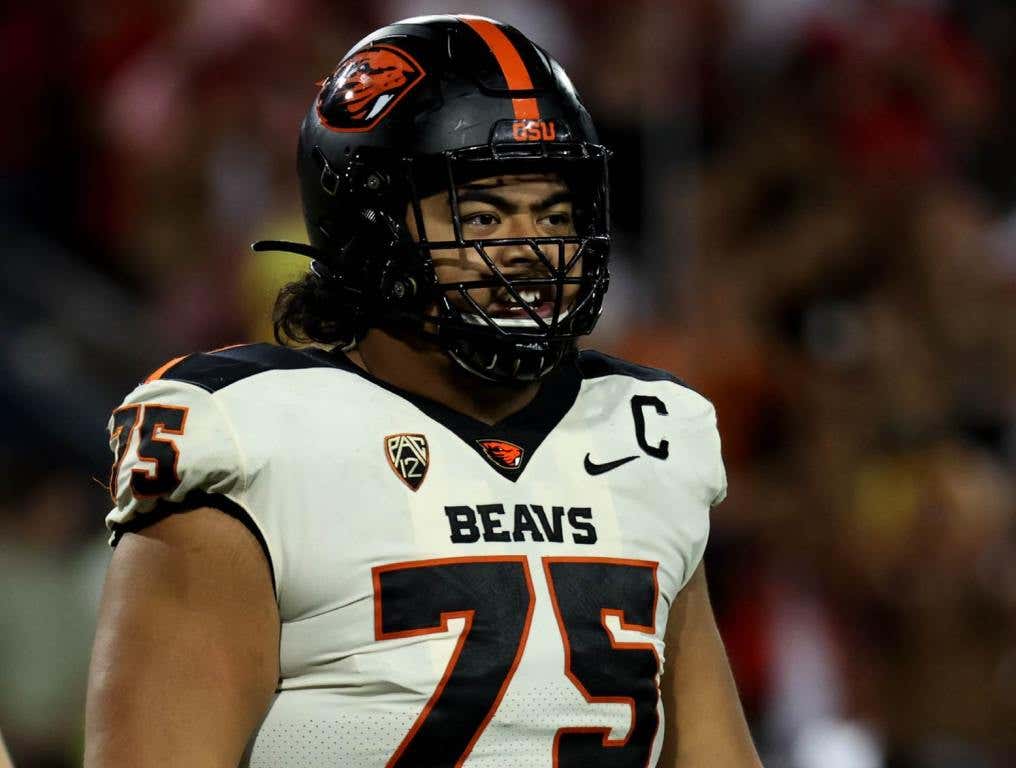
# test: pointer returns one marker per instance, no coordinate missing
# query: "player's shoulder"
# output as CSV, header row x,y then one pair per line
x,y
595,365
215,370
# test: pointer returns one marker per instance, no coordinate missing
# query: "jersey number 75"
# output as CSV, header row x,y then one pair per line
x,y
494,596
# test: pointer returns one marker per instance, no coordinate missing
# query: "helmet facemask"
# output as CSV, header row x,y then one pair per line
x,y
510,325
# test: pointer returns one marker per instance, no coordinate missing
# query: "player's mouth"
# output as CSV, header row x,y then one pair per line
x,y
539,300
506,311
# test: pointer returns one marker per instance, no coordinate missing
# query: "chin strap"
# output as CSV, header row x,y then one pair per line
x,y
401,291
317,266
284,246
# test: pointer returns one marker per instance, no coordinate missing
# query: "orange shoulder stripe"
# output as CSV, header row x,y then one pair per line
x,y
228,346
159,372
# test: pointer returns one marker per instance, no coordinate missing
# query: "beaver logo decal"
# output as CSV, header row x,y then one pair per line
x,y
365,87
501,453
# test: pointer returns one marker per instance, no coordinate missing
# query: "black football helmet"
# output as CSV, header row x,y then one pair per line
x,y
421,107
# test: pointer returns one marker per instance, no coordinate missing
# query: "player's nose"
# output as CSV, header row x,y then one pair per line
x,y
519,256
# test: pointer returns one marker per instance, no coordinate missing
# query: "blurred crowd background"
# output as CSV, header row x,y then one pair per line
x,y
815,205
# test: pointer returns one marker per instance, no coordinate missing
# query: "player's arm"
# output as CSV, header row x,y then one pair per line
x,y
705,725
5,759
186,652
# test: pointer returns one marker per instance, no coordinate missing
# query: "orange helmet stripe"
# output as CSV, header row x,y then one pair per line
x,y
515,73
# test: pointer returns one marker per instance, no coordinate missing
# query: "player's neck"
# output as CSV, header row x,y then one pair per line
x,y
428,372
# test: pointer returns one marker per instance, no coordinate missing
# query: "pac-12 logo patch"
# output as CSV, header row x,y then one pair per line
x,y
409,456
501,453
366,86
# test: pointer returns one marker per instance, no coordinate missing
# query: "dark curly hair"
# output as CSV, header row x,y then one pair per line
x,y
314,309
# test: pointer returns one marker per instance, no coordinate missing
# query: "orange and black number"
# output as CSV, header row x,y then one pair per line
x,y
125,420
158,420
158,455
585,591
494,595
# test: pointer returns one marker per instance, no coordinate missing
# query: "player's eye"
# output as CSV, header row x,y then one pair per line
x,y
481,219
556,219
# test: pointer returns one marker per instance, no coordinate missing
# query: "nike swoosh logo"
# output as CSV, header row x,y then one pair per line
x,y
599,469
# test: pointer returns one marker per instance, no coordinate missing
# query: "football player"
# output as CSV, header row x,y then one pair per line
x,y
440,536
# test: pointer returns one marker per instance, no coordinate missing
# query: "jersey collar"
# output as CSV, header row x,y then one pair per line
x,y
525,429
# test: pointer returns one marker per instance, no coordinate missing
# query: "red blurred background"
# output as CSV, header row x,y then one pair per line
x,y
814,204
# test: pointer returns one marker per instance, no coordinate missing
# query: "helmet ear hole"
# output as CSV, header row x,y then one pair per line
x,y
401,290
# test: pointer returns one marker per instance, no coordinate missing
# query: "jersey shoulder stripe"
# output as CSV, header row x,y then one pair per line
x,y
213,371
595,365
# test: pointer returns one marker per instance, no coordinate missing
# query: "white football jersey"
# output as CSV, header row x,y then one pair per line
x,y
451,593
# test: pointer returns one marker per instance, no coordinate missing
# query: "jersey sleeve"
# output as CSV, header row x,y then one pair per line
x,y
711,485
173,450
718,484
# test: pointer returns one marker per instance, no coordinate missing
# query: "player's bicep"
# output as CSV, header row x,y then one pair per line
x,y
704,721
185,661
